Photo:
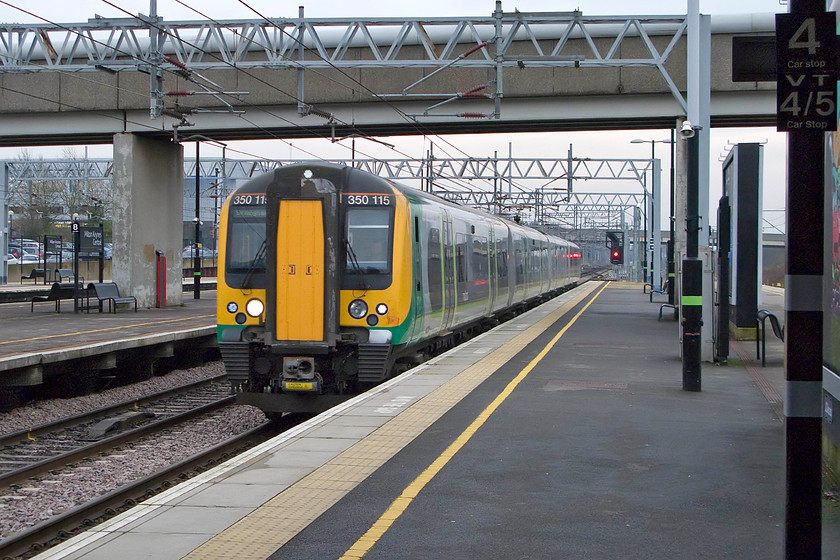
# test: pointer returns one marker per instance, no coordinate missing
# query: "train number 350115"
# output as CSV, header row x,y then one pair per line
x,y
368,199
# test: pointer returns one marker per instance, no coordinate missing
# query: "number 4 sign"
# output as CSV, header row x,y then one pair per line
x,y
806,75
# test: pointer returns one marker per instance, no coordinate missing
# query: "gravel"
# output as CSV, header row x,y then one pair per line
x,y
37,500
41,412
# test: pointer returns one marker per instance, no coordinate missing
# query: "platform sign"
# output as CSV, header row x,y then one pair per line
x,y
91,240
806,75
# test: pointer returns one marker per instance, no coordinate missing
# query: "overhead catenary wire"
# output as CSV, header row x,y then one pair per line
x,y
309,131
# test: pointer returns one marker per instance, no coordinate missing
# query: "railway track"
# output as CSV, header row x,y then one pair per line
x,y
30,453
36,539
54,452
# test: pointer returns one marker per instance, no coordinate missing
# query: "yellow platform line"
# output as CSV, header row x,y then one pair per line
x,y
361,547
45,337
278,520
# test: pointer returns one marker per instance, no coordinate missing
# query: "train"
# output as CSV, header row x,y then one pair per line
x,y
332,279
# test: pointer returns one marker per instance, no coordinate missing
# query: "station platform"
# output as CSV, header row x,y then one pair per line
x,y
37,343
564,433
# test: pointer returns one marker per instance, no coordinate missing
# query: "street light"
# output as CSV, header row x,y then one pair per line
x,y
653,223
197,219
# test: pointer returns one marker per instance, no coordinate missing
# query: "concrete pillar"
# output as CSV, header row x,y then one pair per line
x,y
148,189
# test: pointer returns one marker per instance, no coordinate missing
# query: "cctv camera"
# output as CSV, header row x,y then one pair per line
x,y
686,131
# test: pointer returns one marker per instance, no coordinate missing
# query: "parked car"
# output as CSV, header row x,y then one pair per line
x,y
26,258
204,253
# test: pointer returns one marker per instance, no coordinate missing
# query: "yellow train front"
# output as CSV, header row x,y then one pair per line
x,y
331,278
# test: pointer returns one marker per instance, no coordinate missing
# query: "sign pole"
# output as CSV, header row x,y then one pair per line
x,y
806,109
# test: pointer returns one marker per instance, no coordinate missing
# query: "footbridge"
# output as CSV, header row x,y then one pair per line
x,y
299,77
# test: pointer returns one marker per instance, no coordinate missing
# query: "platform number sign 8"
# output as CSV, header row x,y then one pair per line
x,y
806,75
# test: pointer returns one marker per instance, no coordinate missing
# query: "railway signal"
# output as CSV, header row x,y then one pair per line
x,y
615,243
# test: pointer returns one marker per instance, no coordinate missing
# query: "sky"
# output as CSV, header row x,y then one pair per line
x,y
599,145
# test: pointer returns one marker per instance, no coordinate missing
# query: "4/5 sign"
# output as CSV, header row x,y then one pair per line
x,y
806,75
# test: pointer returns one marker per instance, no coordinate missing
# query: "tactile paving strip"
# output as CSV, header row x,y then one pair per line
x,y
273,524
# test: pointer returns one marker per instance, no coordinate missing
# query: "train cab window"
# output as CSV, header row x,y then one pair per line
x,y
246,246
368,248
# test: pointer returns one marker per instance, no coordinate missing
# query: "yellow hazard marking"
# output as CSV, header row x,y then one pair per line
x,y
19,340
362,546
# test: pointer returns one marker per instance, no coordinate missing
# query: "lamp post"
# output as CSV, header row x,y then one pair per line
x,y
197,220
653,213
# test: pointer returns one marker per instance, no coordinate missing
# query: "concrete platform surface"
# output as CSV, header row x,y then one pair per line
x,y
562,434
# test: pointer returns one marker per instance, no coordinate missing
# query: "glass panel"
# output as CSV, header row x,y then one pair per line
x,y
246,234
369,235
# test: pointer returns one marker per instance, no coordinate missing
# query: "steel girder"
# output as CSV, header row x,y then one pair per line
x,y
514,39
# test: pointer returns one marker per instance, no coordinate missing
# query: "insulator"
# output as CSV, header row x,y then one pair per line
x,y
176,62
476,89
178,93
320,113
475,48
472,115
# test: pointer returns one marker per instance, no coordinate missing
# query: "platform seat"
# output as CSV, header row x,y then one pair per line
x,y
34,274
57,293
62,274
108,291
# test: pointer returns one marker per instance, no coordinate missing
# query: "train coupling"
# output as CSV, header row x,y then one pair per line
x,y
299,375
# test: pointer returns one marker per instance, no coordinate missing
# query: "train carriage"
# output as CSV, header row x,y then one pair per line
x,y
332,278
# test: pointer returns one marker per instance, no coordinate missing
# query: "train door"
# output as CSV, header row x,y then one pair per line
x,y
449,291
493,269
300,271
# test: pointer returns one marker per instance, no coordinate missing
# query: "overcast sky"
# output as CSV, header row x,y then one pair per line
x,y
614,144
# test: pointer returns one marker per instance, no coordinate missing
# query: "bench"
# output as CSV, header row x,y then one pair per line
x,y
34,274
662,290
760,320
108,291
57,293
66,273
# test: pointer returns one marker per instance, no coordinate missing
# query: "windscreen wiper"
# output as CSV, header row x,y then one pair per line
x,y
260,255
355,262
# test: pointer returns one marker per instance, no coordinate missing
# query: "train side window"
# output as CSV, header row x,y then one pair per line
x,y
480,270
461,258
435,270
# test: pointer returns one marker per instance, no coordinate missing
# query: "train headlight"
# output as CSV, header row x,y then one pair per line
x,y
357,308
381,309
232,307
254,307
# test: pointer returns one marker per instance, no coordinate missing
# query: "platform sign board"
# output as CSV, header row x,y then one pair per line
x,y
806,75
91,239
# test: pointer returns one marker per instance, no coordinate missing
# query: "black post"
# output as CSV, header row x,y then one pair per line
x,y
102,255
804,318
691,303
724,246
645,241
804,344
77,241
197,241
672,270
